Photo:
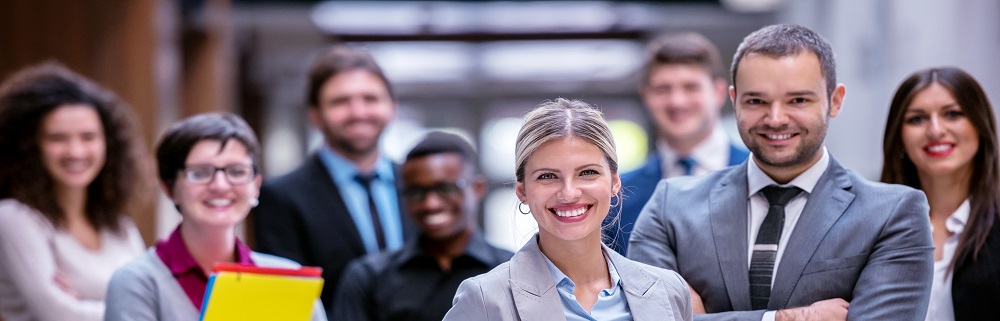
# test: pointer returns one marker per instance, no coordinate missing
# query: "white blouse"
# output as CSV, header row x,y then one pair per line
x,y
32,251
941,307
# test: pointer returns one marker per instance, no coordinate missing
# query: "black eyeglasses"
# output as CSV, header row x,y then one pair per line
x,y
236,174
448,190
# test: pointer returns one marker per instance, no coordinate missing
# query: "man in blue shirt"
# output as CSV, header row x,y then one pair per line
x,y
442,187
342,202
683,88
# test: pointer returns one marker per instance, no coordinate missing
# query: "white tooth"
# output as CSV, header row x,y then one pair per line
x,y
571,213
437,218
938,148
220,202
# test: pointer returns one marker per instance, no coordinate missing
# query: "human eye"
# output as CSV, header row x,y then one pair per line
x,y
238,171
953,114
915,119
547,176
799,100
589,172
754,101
199,173
56,137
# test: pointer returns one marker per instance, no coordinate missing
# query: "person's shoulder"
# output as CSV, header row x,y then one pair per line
x,y
697,183
669,277
374,263
864,186
146,267
499,276
17,217
307,170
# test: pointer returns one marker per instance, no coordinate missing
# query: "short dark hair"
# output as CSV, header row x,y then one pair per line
x,y
984,187
173,149
438,142
687,48
338,59
31,94
785,40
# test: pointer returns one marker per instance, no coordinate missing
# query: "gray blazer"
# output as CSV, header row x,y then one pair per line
x,y
523,289
146,290
865,242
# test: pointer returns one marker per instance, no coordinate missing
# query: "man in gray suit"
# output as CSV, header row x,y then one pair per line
x,y
820,241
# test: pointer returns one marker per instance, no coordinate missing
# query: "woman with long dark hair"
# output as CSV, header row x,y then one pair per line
x,y
71,162
941,137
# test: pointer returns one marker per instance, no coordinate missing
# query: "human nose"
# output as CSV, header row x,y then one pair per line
x,y
569,191
676,98
219,180
76,148
776,115
934,129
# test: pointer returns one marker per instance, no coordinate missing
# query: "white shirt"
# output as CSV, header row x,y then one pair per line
x,y
710,155
757,180
32,251
941,307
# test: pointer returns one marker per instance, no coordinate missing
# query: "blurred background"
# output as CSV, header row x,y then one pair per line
x,y
471,67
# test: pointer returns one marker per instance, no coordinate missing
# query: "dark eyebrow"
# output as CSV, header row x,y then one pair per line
x,y
801,93
752,94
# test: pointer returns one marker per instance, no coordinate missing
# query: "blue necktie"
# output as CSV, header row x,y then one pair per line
x,y
366,181
687,163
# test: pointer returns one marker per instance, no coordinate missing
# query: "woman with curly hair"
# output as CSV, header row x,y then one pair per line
x,y
71,162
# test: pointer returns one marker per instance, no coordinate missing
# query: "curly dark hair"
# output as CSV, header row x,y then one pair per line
x,y
26,98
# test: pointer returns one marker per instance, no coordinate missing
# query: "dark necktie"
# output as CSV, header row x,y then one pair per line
x,y
687,163
765,249
366,181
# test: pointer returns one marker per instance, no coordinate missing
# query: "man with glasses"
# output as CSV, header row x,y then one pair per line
x,y
442,188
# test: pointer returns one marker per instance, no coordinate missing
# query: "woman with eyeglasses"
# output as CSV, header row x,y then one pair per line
x,y
70,166
208,167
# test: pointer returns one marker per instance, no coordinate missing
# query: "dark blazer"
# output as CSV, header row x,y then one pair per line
x,y
638,186
302,217
865,242
975,287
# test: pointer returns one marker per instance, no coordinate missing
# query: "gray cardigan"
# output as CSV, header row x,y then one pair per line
x,y
146,290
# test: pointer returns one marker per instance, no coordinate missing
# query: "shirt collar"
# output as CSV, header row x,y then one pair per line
x,y
343,170
757,179
705,154
175,255
956,222
477,248
565,283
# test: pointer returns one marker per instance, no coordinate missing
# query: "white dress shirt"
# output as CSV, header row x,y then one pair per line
x,y
941,307
757,180
710,155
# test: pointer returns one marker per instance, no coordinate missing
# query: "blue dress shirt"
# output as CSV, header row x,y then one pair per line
x,y
343,172
610,306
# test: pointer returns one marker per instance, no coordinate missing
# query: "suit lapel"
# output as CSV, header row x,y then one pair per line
x,y
532,286
728,215
827,202
330,204
637,284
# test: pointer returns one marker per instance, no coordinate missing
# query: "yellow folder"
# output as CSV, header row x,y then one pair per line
x,y
249,296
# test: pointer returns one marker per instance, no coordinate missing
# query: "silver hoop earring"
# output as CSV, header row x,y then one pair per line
x,y
615,204
521,210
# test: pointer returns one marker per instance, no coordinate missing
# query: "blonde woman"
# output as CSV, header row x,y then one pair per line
x,y
567,176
